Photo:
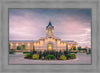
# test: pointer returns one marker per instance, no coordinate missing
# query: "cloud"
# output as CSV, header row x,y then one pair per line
x,y
30,24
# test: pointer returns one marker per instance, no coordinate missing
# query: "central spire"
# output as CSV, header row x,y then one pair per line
x,y
50,30
50,24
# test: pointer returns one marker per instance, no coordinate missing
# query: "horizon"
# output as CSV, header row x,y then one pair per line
x,y
69,24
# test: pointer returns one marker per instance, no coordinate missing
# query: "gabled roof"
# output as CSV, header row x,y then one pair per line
x,y
50,25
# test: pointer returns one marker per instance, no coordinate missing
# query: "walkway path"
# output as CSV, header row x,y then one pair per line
x,y
19,59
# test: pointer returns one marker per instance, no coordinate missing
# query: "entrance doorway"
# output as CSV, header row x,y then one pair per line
x,y
50,47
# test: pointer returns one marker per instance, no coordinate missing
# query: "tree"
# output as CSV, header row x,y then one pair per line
x,y
79,48
74,48
33,48
34,52
66,48
18,48
23,47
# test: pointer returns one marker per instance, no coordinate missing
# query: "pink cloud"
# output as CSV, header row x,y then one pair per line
x,y
32,26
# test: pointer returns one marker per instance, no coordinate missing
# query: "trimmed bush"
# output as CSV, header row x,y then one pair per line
x,y
18,48
88,53
26,55
26,52
48,57
73,56
73,52
29,55
43,58
58,58
63,57
11,52
69,56
35,56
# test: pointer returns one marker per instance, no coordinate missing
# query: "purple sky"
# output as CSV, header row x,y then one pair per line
x,y
69,24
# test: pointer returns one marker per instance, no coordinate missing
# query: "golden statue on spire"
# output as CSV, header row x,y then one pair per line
x,y
49,19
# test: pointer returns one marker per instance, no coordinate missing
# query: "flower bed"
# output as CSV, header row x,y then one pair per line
x,y
49,56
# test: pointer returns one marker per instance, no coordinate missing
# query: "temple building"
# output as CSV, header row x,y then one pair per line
x,y
50,42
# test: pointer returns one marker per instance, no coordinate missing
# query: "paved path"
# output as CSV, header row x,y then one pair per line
x,y
19,59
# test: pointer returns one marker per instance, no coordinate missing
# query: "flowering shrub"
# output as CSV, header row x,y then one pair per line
x,y
29,55
43,58
69,56
73,56
26,55
58,58
63,57
35,56
48,57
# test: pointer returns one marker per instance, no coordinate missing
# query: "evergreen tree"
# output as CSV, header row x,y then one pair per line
x,y
79,48
23,47
74,48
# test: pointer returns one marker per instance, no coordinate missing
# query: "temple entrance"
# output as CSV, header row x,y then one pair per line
x,y
50,47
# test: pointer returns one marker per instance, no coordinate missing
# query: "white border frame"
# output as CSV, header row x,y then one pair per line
x,y
5,4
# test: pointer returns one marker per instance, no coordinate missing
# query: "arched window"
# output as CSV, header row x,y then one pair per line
x,y
50,47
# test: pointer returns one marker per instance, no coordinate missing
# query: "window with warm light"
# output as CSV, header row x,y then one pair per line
x,y
38,44
34,44
50,47
61,44
22,43
16,44
11,44
58,42
50,32
28,44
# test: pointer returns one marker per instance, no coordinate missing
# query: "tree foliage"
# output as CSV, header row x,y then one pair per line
x,y
18,48
23,47
66,48
79,48
74,48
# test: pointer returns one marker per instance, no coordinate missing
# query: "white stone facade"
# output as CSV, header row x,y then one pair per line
x,y
50,42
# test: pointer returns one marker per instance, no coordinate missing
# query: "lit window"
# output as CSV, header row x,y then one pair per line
x,y
11,44
22,43
16,44
34,44
38,43
49,32
28,44
61,44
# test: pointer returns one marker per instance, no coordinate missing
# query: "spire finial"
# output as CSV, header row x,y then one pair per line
x,y
49,19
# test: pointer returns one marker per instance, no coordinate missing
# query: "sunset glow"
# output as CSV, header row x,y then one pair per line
x,y
69,24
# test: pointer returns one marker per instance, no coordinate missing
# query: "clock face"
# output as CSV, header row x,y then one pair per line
x,y
49,32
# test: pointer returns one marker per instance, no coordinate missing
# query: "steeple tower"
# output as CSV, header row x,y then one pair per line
x,y
50,30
